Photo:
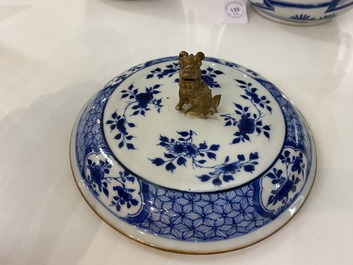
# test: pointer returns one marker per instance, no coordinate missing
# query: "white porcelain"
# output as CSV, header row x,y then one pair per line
x,y
301,12
192,185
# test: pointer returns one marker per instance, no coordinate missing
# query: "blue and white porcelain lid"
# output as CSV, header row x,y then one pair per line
x,y
168,148
186,184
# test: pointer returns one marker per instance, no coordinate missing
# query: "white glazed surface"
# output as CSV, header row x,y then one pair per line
x,y
56,54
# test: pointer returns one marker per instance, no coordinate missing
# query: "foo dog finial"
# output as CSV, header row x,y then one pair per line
x,y
192,90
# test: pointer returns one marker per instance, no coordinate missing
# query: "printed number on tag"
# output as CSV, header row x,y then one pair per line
x,y
235,12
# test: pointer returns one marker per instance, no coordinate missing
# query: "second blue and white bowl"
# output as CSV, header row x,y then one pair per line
x,y
301,12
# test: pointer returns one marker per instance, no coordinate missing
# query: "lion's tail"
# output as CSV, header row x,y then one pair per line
x,y
215,103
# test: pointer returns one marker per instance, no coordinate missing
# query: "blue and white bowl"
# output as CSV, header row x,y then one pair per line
x,y
301,12
192,185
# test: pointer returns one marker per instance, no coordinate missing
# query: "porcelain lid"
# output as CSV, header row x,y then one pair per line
x,y
191,185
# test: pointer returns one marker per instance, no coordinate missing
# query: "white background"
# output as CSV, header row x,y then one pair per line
x,y
55,54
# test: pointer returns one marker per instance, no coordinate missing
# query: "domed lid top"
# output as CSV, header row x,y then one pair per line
x,y
171,149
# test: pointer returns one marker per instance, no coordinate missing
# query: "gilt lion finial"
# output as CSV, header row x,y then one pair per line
x,y
192,89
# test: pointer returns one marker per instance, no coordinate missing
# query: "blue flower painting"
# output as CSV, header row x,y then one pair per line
x,y
249,119
99,178
138,103
209,76
183,149
168,71
286,178
226,171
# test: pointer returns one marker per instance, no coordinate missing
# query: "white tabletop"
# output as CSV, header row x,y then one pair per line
x,y
55,54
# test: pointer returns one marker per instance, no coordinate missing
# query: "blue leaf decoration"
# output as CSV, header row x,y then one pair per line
x,y
204,178
214,147
158,161
131,179
271,175
163,138
181,161
217,72
184,134
236,140
168,155
134,202
130,146
240,81
267,134
249,168
170,167
228,178
217,182
241,157
211,155
238,106
106,192
203,146
254,156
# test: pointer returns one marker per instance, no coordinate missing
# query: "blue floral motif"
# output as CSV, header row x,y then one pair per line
x,y
286,182
251,94
208,76
250,121
286,178
95,177
232,65
302,17
139,103
182,149
123,194
169,71
294,162
252,73
120,190
330,16
285,186
226,171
